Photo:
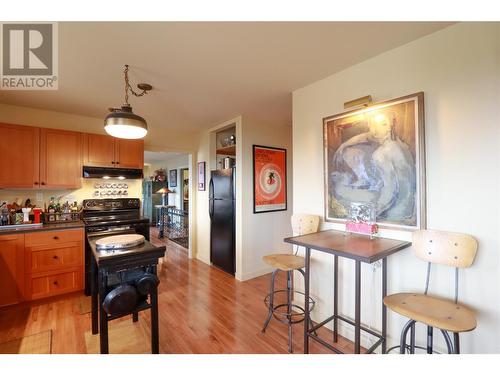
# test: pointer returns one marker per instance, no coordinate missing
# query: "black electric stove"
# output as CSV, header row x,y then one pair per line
x,y
110,217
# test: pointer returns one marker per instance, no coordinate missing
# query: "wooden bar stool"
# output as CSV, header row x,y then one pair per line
x,y
451,249
301,224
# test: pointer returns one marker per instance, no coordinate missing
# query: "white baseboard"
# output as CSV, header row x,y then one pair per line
x,y
253,274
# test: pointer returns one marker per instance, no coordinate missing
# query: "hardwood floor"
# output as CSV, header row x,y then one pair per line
x,y
201,310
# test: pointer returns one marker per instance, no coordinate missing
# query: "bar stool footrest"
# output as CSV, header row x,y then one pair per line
x,y
293,317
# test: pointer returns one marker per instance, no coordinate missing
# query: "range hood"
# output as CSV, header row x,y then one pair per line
x,y
119,173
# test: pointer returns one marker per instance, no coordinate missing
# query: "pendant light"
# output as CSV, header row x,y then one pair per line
x,y
122,122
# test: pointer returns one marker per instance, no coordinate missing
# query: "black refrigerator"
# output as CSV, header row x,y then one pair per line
x,y
221,208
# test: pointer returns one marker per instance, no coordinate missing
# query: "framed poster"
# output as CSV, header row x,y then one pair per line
x,y
375,155
269,179
201,176
172,178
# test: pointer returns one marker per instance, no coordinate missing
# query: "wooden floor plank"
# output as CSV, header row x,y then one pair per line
x,y
201,310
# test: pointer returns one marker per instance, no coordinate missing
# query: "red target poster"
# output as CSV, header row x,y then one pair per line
x,y
269,178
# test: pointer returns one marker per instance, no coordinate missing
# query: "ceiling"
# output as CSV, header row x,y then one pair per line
x,y
204,73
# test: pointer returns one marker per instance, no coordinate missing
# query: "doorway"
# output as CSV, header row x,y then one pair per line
x,y
169,207
184,172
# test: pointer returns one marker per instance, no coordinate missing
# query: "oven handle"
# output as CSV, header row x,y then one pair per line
x,y
111,231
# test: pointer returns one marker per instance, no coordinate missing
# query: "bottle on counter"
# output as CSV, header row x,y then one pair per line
x,y
51,209
4,214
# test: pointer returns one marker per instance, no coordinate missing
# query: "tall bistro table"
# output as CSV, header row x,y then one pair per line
x,y
359,248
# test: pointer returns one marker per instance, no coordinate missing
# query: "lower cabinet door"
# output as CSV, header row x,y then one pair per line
x,y
54,259
54,284
11,269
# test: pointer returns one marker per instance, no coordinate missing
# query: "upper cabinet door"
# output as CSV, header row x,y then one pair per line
x,y
60,159
19,163
98,150
129,153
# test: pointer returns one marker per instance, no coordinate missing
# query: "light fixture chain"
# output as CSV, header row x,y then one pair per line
x,y
129,87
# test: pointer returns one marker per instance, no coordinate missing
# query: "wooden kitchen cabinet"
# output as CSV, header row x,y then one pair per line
x,y
54,263
19,162
129,153
11,269
106,151
41,286
98,150
40,264
60,159
40,158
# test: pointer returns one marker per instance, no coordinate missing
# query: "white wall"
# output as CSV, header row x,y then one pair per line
x,y
458,69
263,233
256,234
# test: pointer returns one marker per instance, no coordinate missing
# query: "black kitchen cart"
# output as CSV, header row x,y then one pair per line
x,y
105,267
359,248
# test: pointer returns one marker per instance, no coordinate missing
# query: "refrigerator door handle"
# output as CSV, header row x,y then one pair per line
x,y
211,189
211,199
211,208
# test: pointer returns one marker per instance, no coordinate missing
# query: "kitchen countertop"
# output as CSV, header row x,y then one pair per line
x,y
44,227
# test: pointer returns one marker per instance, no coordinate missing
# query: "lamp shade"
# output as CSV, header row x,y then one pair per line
x,y
163,190
123,123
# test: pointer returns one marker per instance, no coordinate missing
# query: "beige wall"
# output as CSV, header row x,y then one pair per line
x,y
458,69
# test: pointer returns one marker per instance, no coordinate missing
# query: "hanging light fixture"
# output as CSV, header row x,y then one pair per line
x,y
122,122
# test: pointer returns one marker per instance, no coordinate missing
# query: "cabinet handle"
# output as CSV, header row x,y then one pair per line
x,y
43,183
36,182
112,162
117,162
55,257
56,238
55,282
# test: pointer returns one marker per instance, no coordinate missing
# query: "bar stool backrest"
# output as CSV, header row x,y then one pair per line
x,y
451,249
303,224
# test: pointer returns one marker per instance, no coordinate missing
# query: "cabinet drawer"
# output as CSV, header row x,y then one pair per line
x,y
51,285
53,237
54,259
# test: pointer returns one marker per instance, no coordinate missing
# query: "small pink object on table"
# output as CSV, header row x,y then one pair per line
x,y
364,228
